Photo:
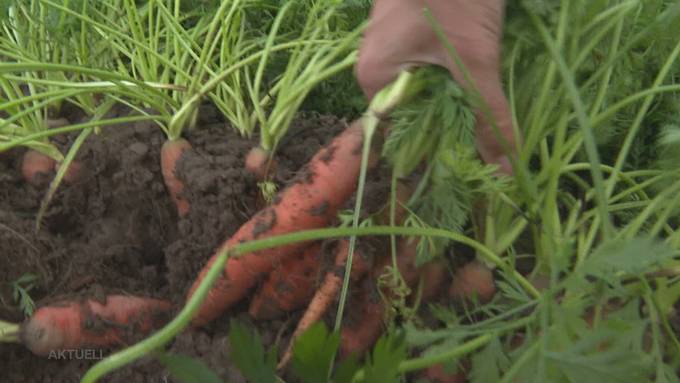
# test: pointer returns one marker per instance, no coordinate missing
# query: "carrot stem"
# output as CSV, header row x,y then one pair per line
x,y
9,332
431,360
382,103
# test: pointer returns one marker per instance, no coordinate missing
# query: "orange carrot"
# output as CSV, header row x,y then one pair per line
x,y
358,335
327,292
404,191
90,323
171,152
366,324
433,275
34,164
473,281
73,173
289,286
260,163
437,374
310,202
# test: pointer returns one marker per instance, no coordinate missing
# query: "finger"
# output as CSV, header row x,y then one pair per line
x,y
397,38
478,47
374,69
494,134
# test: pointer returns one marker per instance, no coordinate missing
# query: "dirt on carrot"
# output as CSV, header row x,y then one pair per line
x,y
289,286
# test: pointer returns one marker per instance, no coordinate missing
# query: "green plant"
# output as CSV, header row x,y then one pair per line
x,y
587,209
21,289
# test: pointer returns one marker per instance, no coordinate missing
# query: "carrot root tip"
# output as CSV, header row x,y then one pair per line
x,y
259,163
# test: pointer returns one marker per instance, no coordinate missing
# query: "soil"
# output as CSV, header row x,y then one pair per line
x,y
116,231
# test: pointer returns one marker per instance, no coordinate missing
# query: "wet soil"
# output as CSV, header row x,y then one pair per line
x,y
116,231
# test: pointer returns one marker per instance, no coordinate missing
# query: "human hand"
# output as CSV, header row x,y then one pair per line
x,y
399,37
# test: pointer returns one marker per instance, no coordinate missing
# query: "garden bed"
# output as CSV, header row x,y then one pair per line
x,y
116,230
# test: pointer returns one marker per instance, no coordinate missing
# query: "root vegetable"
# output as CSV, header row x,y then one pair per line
x,y
359,335
437,374
326,293
34,164
364,330
433,275
473,281
310,202
73,173
403,192
88,323
289,286
171,152
260,163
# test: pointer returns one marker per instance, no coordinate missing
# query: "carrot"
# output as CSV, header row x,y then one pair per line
x,y
35,163
404,191
473,281
327,292
260,163
310,202
437,374
171,152
88,323
358,335
433,275
289,286
365,327
35,166
73,173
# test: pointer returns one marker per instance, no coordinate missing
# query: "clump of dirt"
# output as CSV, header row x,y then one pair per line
x,y
116,230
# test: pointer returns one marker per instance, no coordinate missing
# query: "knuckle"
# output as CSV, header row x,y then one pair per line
x,y
369,71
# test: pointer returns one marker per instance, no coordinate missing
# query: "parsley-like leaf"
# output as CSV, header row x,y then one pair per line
x,y
188,370
383,363
313,353
346,370
634,257
488,363
249,356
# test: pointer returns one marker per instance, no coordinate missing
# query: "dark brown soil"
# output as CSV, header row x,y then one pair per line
x,y
116,230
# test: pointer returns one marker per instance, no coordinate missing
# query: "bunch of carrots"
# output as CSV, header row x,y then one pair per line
x,y
286,277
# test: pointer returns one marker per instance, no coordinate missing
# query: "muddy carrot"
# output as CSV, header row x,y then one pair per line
x,y
403,192
73,173
310,202
437,374
289,286
171,152
433,276
358,336
365,325
89,323
326,293
33,164
473,281
260,163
